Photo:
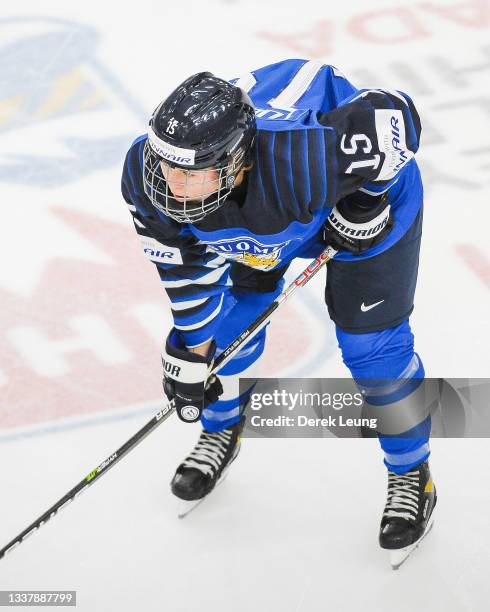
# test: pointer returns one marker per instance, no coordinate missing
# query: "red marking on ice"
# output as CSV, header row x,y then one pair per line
x,y
474,14
398,25
476,260
383,26
71,287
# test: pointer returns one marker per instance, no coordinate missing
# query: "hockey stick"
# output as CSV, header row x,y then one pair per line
x,y
163,414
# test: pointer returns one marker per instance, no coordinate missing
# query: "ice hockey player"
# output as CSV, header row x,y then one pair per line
x,y
232,182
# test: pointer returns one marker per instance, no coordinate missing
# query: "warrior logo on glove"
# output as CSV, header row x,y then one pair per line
x,y
356,223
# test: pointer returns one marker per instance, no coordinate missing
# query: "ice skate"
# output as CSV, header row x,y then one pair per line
x,y
206,466
407,516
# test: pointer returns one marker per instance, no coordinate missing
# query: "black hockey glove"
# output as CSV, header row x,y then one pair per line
x,y
186,378
357,224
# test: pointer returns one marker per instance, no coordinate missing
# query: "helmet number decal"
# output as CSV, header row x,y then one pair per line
x,y
172,124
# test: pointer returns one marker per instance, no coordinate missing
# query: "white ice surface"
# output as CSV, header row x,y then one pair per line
x,y
294,526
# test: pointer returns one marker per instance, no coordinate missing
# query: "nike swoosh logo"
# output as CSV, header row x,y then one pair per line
x,y
366,308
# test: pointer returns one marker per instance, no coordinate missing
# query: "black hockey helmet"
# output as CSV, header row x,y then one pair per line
x,y
206,124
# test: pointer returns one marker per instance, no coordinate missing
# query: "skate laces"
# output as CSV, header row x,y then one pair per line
x,y
209,452
403,495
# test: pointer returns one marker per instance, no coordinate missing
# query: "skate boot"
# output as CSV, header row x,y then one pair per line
x,y
207,465
407,516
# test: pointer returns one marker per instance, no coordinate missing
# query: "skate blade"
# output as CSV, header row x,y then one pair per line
x,y
398,557
185,507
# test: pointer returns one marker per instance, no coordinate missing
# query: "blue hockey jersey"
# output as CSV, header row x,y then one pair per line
x,y
318,140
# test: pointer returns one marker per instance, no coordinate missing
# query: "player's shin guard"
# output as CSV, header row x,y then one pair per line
x,y
390,375
244,364
386,368
227,410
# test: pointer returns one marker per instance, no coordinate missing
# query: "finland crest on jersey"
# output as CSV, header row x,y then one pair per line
x,y
249,251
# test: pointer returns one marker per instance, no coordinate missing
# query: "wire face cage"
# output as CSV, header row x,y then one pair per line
x,y
187,195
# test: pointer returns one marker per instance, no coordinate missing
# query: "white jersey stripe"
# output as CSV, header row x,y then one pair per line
x,y
178,306
204,321
375,193
298,86
364,93
246,82
206,279
231,383
395,93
